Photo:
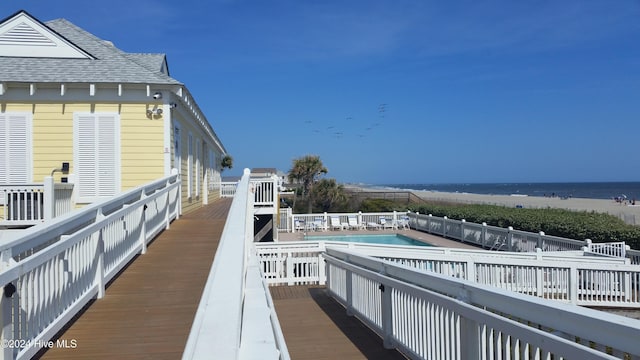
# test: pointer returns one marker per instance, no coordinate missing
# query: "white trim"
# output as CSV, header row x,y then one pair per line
x,y
23,36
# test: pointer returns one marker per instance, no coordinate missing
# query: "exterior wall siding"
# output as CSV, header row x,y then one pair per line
x,y
142,145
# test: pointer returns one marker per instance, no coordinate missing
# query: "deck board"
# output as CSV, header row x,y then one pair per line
x,y
147,311
317,327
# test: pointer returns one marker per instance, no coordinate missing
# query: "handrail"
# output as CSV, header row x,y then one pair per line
x,y
49,272
570,277
385,295
235,318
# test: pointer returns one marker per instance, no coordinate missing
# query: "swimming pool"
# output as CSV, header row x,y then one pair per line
x,y
387,239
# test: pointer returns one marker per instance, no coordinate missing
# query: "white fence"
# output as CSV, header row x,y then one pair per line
x,y
571,277
431,316
265,191
30,204
236,318
496,238
53,269
227,188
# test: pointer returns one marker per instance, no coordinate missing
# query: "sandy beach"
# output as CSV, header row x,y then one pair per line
x,y
629,213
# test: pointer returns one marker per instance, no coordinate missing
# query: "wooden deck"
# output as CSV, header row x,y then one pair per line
x,y
147,311
317,327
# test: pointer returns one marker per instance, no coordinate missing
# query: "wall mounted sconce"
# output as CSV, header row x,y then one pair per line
x,y
173,105
157,95
64,169
154,111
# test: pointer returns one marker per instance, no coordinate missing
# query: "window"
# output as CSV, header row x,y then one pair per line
x,y
96,155
15,148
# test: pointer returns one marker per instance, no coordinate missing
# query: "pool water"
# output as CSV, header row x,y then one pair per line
x,y
387,239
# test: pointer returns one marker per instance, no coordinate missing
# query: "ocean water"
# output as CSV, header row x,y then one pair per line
x,y
594,190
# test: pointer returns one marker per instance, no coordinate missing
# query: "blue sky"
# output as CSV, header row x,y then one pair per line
x,y
399,91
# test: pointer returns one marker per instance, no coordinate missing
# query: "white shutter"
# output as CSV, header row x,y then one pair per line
x,y
107,169
15,143
85,153
96,157
4,150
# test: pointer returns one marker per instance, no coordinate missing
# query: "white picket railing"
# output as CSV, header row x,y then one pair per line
x,y
30,204
236,318
497,238
571,277
228,188
432,316
266,191
51,270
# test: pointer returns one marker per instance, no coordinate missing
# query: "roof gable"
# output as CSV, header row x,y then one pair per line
x,y
21,35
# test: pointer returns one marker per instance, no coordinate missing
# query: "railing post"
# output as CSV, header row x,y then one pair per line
x,y
143,230
387,317
444,227
49,202
99,277
483,235
167,213
429,223
469,333
6,320
462,222
509,238
348,282
290,270
573,285
322,274
540,240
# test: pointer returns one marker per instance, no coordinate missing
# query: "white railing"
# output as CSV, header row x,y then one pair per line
x,y
22,204
571,277
30,204
236,318
431,316
266,191
227,188
51,270
617,249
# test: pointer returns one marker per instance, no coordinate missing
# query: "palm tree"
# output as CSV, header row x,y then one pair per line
x,y
307,170
329,195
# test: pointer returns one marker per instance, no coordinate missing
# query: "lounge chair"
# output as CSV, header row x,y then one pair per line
x,y
354,224
373,226
335,223
319,224
386,224
299,225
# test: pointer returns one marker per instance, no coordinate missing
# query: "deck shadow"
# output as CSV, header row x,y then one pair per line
x,y
365,339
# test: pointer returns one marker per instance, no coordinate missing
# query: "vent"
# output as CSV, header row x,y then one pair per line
x,y
23,34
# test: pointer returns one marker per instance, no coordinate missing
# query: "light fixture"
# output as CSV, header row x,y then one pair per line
x,y
157,95
154,111
173,105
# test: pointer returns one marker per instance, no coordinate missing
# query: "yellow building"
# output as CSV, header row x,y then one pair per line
x,y
118,118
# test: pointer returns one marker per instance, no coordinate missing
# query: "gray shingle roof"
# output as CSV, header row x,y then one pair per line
x,y
111,65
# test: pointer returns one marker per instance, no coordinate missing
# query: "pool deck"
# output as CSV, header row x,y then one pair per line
x,y
434,240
